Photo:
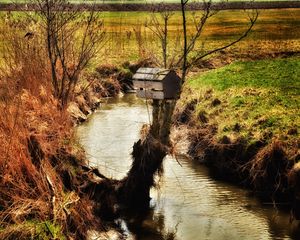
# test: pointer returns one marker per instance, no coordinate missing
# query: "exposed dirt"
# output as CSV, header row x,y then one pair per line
x,y
106,81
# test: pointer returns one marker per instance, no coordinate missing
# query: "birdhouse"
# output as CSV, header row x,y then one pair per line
x,y
156,83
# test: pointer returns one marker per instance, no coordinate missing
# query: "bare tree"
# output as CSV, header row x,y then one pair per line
x,y
160,29
72,39
199,23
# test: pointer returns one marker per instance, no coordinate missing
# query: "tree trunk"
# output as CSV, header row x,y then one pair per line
x,y
148,155
185,51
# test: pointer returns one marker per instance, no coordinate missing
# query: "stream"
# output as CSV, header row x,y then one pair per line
x,y
189,204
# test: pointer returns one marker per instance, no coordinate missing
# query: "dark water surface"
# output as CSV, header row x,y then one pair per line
x,y
190,205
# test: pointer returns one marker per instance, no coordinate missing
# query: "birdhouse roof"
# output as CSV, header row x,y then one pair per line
x,y
151,74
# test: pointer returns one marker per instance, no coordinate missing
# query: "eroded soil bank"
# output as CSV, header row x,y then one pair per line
x,y
105,81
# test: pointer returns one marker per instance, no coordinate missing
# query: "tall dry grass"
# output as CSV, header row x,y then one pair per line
x,y
32,130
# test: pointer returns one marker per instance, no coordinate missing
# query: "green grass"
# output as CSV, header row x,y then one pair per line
x,y
261,97
44,230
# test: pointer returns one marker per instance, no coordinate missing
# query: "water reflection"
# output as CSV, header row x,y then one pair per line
x,y
108,142
206,209
151,226
189,204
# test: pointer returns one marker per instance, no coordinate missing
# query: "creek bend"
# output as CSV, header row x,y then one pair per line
x,y
189,204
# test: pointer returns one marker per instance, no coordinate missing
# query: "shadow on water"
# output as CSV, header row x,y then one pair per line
x,y
189,204
147,225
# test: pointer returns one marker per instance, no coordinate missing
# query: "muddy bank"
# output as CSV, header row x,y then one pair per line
x,y
149,7
266,166
105,81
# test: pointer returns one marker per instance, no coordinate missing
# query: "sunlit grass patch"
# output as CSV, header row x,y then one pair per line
x,y
258,100
32,230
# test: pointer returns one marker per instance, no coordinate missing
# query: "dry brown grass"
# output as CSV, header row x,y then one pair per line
x,y
269,169
32,188
32,193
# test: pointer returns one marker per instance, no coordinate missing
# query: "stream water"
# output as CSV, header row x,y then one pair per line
x,y
189,204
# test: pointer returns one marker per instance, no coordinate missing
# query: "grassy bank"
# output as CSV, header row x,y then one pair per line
x,y
254,100
36,161
47,191
244,121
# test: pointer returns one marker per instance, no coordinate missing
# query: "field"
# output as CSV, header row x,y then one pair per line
x,y
275,31
128,39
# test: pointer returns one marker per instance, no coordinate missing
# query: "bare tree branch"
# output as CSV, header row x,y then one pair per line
x,y
160,29
189,44
73,38
200,56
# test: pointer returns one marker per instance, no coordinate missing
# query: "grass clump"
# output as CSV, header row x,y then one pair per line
x,y
45,230
257,100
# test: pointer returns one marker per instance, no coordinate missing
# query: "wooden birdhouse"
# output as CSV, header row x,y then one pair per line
x,y
156,83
